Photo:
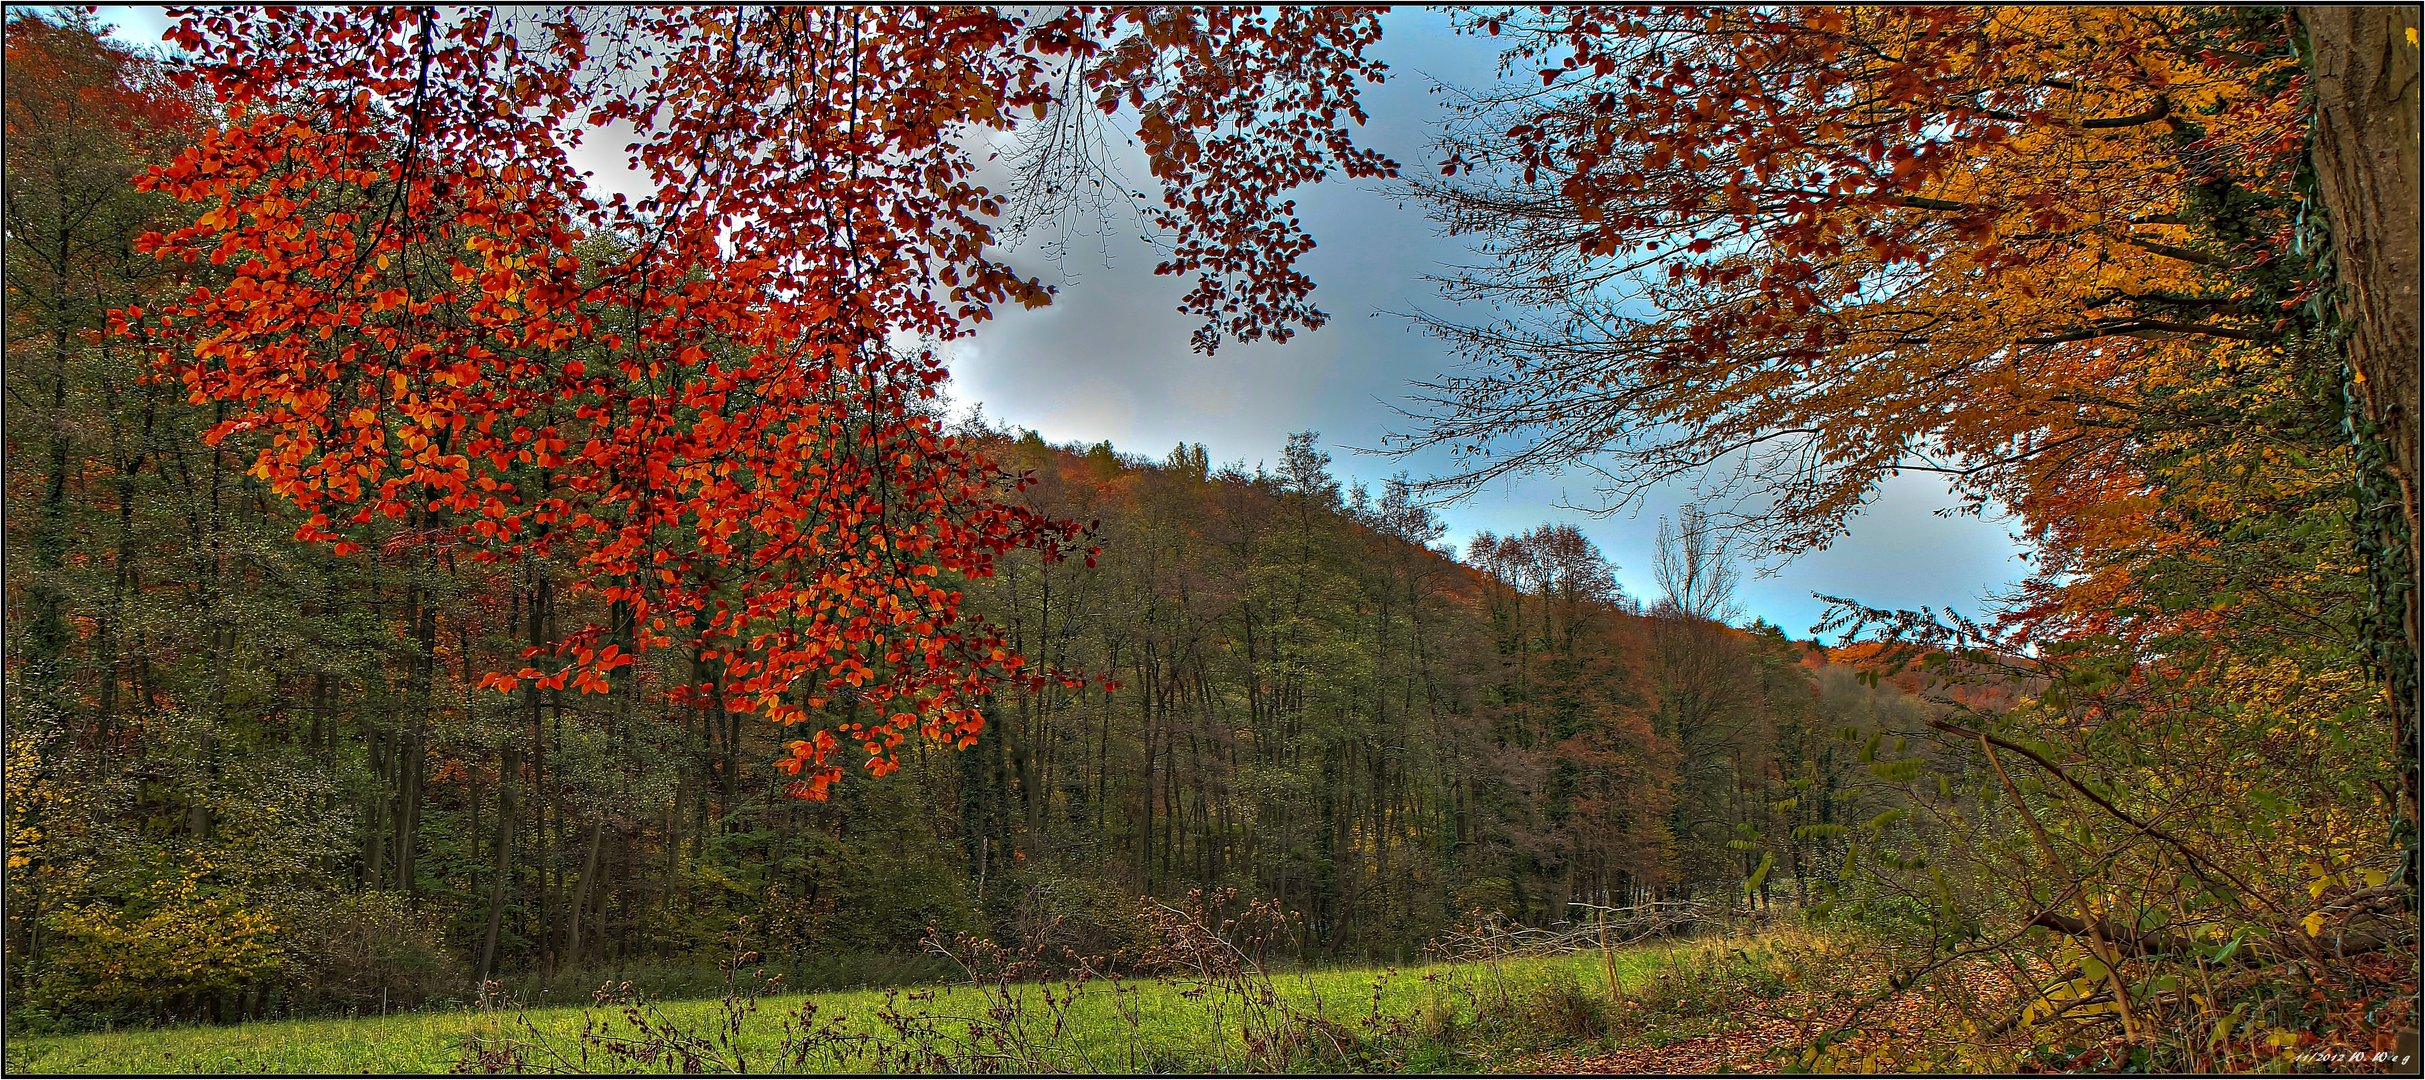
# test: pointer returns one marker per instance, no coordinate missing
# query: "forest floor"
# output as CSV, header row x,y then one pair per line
x,y
1708,1004
1768,1033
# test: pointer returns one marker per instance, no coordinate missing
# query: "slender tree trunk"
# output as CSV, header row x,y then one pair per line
x,y
509,772
110,652
375,843
1145,808
581,890
1018,739
46,634
412,763
613,947
412,768
542,624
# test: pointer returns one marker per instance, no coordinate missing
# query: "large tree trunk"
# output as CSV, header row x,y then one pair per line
x,y
2365,157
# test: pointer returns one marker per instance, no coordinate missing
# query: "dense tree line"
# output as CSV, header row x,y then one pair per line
x,y
1317,705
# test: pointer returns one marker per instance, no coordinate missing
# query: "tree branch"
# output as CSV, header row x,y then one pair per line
x,y
2144,326
2158,111
2170,252
2148,828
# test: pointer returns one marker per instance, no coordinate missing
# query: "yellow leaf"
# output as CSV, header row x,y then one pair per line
x,y
2313,923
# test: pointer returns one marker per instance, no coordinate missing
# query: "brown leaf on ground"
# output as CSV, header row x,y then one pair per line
x,y
1766,1033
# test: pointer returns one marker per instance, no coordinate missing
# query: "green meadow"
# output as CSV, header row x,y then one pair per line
x,y
1440,1017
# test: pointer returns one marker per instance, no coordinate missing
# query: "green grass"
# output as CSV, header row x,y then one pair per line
x,y
1437,1017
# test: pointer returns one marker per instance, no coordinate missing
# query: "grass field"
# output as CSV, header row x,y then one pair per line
x,y
1431,1018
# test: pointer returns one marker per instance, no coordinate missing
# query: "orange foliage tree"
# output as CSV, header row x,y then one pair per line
x,y
2065,258
1786,253
2050,254
715,403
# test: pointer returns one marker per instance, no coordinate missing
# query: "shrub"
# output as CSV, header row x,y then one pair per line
x,y
171,954
1080,915
372,951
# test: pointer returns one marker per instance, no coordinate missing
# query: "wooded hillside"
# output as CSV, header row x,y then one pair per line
x,y
428,573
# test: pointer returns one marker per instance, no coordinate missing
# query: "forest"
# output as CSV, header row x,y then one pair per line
x,y
431,582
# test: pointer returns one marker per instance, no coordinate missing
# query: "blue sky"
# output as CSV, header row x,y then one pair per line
x,y
1110,360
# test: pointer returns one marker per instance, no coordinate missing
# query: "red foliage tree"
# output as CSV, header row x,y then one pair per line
x,y
715,403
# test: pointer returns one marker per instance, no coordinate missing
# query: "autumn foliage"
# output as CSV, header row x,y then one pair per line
x,y
713,402
1834,244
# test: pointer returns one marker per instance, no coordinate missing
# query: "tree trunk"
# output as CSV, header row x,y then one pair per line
x,y
412,766
581,891
508,774
2365,151
374,870
46,637
2365,157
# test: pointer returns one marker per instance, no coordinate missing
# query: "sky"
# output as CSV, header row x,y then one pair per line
x,y
1109,360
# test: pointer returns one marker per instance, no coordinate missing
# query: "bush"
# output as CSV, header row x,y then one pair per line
x,y
1083,915
372,951
172,954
